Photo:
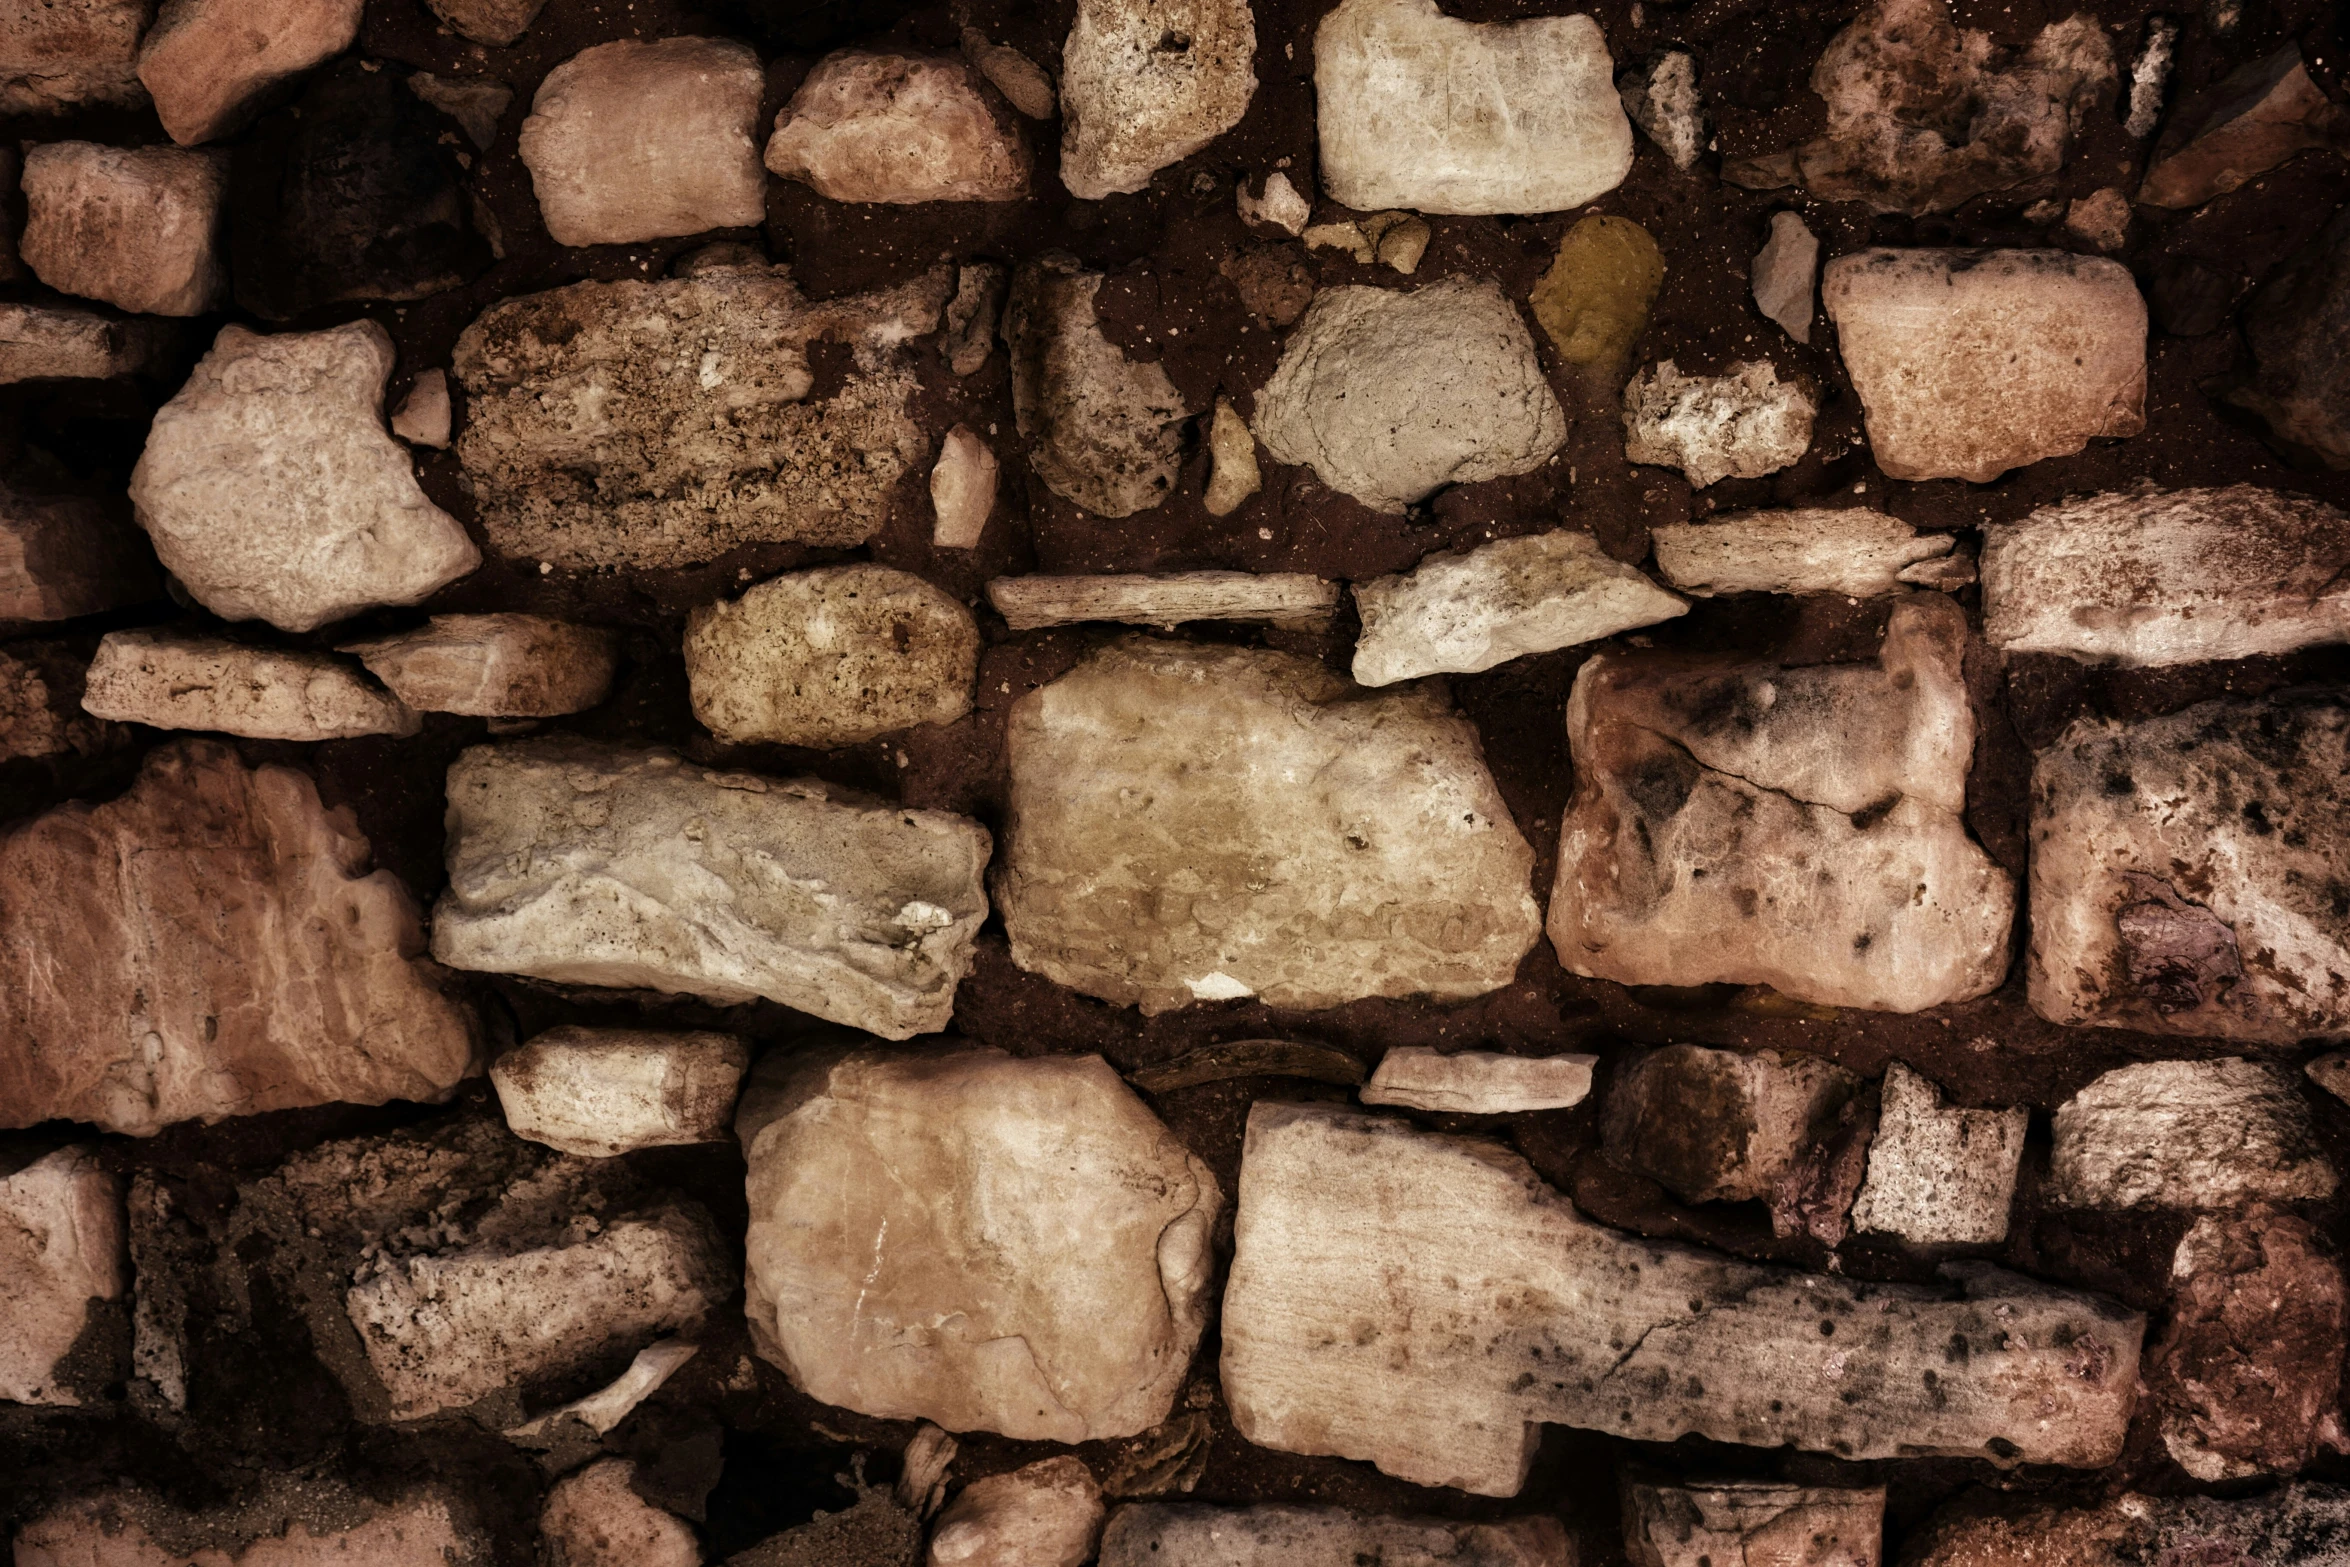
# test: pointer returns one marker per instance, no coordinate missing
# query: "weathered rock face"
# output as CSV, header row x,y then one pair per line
x,y
1102,430
1662,99
1742,425
1478,1082
206,61
1753,1524
1786,274
178,680
1969,363
1191,823
2187,1134
2298,383
494,666
1725,827
595,866
2293,1526
593,1519
831,657
61,1252
1165,599
55,57
1417,109
179,1007
990,1243
2186,872
1158,1535
1461,613
63,556
600,1092
640,139
1048,1514
1389,395
1937,1175
1425,1301
494,22
897,128
1594,300
305,1523
663,423
2266,112
1810,549
272,491
1145,83
41,704
45,343
139,228
1720,1126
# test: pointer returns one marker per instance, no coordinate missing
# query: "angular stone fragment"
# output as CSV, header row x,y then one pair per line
x,y
1468,611
1662,100
46,343
1785,274
1417,109
2101,219
1594,300
1753,1524
962,489
1720,1125
67,555
272,491
1940,1176
1478,1082
1048,1514
181,680
475,104
968,334
1103,430
2265,113
1021,80
897,128
589,865
2292,1526
2187,872
1281,205
1810,549
1233,448
2149,75
423,417
991,1243
1165,600
61,1252
1194,823
1426,1302
612,1403
600,1092
593,1519
1146,83
2211,1134
2298,384
55,57
494,666
179,1006
41,704
139,228
1969,363
304,1522
1159,1535
207,62
1726,827
1391,395
494,22
1742,425
593,438
640,139
831,657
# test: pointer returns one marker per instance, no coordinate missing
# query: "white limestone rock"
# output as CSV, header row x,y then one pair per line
x,y
1045,1514
2188,872
1753,1523
600,1092
1165,599
1461,612
180,680
1972,362
1726,827
1809,549
64,556
607,1406
590,865
140,228
898,129
272,491
593,1519
1280,205
1661,98
1233,449
2216,1134
52,343
1426,1302
494,666
2149,75
638,139
987,1242
1721,1125
1103,430
208,62
1192,823
1940,1176
54,58
1478,1082
1417,109
2149,577
61,1252
1146,83
1390,394
962,489
1786,274
423,417
1742,425
1149,1534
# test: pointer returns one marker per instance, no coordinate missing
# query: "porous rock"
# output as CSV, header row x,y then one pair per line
x,y
1786,272
2100,219
1045,1514
50,343
1813,849
638,139
1192,823
2297,384
1940,1175
987,1242
590,865
1594,300
2292,1526
1418,109
1721,1125
41,704
962,489
272,491
56,57
304,1522
185,680
593,1519
1271,1535
1478,1082
1168,599
1464,612
137,227
207,62
1741,425
1662,100
1232,447
1021,80
1426,1302
1969,363
897,128
2214,1134
63,556
1808,549
1103,430
2186,872
424,416
1389,395
1753,1523
653,424
2263,113
494,666
494,22
1146,83
2149,75
303,991
1275,282
61,1254
600,1092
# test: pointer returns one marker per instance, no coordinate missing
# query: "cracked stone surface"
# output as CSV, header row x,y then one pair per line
x,y
1478,1082
1720,1125
897,128
62,1237
1425,1302
2191,1135
1173,1535
1938,1174
179,680
1045,1514
1131,104
1103,430
1806,549
494,666
1753,1524
600,1092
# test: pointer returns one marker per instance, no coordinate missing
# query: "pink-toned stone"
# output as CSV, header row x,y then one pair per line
x,y
897,128
495,666
1048,1514
61,1251
137,227
207,62
58,54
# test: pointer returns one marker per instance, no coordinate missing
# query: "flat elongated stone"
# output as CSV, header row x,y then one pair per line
x,y
54,57
1165,599
2187,1134
1742,425
1937,1175
206,62
1969,363
897,128
1478,1082
1809,549
296,1523
962,489
1191,823
612,1403
61,1250
599,1092
176,1006
1103,430
990,1243
66,555
1726,827
494,666
653,424
41,704
1426,1302
593,1519
1021,80
2265,113
176,680
2187,872
2147,577
1721,1125
1132,102
47,343
139,228
590,865
1464,612
1163,1535
1417,109
1046,1514
1753,1524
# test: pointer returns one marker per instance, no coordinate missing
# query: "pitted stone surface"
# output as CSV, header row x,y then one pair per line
x,y
1103,430
897,128
1132,103
180,680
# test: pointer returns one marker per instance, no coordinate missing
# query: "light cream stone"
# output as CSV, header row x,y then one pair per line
x,y
962,489
1047,1514
1166,600
304,1522
1478,1082
612,1403
1662,99
1417,109
63,556
1753,1523
2221,1134
1021,80
601,1092
1233,450
637,140
1103,430
899,129
140,228
1810,549
423,417
1461,612
967,336
1194,823
61,1250
2149,75
1146,83
1970,363
49,343
1163,1535
922,1473
987,1242
1280,206
1742,425
1721,1125
590,865
272,491
181,680
1786,274
55,57
1426,1302
494,666
206,62
593,1519
1939,1176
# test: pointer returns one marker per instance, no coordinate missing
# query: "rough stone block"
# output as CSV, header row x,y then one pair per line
x,y
1721,1125
1047,1514
178,680
494,666
1808,549
1103,430
2213,1134
599,1092
1131,105
61,1252
593,1519
137,227
1753,1524
1939,1176
1742,425
62,54
207,63
48,343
